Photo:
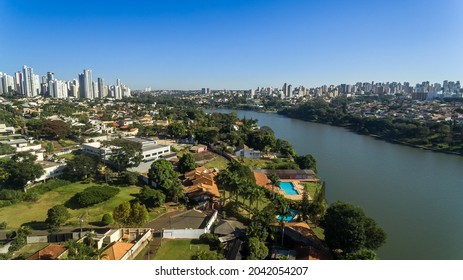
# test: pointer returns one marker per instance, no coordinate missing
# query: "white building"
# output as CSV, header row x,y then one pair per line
x,y
150,149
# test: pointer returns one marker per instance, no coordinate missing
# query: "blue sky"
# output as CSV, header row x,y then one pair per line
x,y
240,44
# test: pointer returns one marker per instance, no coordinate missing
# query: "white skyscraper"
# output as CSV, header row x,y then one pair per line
x,y
28,74
86,86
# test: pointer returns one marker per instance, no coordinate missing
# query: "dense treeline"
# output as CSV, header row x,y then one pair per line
x,y
443,136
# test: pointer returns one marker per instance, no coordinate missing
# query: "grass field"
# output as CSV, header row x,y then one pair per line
x,y
311,188
28,250
219,162
179,249
25,212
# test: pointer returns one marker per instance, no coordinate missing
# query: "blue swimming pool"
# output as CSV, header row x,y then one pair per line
x,y
290,217
288,188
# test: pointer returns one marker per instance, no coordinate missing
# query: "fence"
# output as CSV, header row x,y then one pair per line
x,y
184,233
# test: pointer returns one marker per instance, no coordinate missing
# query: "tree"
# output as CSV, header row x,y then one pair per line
x,y
162,172
375,236
6,149
362,254
129,178
124,153
207,255
130,215
348,229
49,148
306,162
256,249
20,169
138,215
107,219
80,167
56,217
305,204
20,238
152,198
186,163
317,208
282,209
176,130
121,214
55,129
274,181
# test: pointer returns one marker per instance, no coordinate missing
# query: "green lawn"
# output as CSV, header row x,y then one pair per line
x,y
28,250
312,187
24,212
219,162
255,163
179,249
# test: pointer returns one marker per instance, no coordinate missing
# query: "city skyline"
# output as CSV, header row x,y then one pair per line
x,y
236,44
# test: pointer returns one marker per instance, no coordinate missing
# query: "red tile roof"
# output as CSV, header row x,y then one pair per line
x,y
51,252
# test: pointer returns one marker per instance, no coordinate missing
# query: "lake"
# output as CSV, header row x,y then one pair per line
x,y
415,195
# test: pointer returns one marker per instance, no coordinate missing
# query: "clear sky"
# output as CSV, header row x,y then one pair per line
x,y
240,44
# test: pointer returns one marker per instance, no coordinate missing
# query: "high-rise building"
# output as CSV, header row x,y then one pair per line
x,y
101,88
86,85
28,74
95,89
18,82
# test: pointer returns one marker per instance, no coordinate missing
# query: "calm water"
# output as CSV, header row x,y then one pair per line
x,y
415,195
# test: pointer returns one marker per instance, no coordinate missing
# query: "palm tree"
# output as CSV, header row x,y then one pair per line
x,y
259,194
283,211
274,181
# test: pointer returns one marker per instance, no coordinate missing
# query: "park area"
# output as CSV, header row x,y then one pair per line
x,y
34,213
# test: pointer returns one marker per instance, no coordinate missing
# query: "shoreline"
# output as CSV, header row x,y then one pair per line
x,y
392,141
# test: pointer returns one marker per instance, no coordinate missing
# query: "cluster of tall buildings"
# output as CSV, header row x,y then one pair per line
x,y
446,89
27,83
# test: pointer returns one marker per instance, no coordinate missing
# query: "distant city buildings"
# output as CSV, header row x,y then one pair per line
x,y
29,84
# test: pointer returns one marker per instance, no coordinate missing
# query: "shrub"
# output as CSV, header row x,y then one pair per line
x,y
91,196
129,178
5,203
31,196
107,219
3,225
12,195
212,240
49,186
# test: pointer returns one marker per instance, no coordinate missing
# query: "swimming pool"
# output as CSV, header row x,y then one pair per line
x,y
290,217
288,188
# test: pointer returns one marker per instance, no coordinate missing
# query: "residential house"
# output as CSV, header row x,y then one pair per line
x,y
200,185
198,149
6,130
247,152
51,252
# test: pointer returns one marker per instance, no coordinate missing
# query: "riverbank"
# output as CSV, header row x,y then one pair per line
x,y
348,126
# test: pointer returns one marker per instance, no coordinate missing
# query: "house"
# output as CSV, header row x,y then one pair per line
x,y
247,152
198,149
200,185
150,149
229,230
116,251
51,170
51,252
6,130
190,224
